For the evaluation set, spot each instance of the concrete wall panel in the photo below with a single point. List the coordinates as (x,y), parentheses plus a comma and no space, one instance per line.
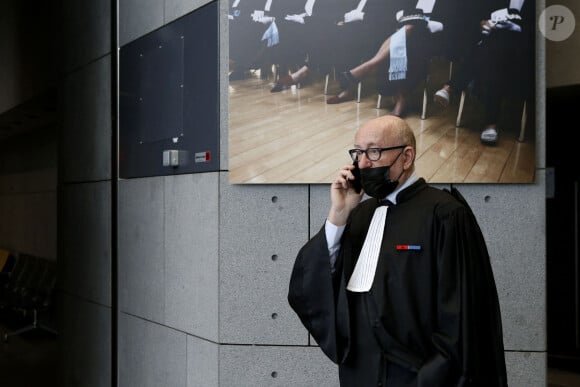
(276,366)
(261,230)
(141,248)
(86,32)
(139,17)
(525,369)
(174,9)
(514,230)
(202,363)
(191,251)
(85,342)
(85,241)
(150,355)
(85,141)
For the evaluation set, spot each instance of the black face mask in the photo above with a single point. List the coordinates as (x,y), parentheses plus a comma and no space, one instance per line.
(377,182)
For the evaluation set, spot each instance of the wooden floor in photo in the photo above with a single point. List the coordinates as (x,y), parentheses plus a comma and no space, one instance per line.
(295,137)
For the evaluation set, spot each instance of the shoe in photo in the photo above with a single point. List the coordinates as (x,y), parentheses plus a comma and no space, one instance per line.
(489,136)
(441,97)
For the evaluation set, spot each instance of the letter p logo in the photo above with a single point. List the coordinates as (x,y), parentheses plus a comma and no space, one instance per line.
(557,23)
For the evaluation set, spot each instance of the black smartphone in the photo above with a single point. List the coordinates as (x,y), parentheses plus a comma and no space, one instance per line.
(356,182)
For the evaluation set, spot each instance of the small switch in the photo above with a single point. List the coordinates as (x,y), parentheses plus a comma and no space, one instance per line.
(174,158)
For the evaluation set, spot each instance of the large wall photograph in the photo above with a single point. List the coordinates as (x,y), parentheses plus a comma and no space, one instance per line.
(305,74)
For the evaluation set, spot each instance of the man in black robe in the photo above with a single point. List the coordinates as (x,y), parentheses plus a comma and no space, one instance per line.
(425,312)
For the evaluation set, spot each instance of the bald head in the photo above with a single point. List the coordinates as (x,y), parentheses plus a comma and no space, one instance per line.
(388,130)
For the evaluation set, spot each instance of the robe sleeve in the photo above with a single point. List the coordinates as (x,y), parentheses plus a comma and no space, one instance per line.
(314,294)
(469,338)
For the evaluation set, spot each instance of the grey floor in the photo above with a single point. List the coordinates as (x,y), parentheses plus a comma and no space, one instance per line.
(31,359)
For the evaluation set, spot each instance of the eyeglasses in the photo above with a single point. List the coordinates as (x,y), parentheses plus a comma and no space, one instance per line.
(373,154)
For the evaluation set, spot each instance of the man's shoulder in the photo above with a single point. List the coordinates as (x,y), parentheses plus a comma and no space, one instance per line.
(423,191)
(450,201)
(444,200)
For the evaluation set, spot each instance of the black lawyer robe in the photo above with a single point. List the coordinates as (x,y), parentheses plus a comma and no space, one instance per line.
(432,316)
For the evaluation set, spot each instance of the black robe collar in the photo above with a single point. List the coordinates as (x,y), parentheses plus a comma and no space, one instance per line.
(408,192)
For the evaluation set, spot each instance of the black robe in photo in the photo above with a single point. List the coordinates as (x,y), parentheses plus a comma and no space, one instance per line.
(432,316)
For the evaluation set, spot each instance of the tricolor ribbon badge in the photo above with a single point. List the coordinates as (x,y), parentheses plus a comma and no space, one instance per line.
(408,247)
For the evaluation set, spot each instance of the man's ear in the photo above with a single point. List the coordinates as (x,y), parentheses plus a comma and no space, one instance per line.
(409,155)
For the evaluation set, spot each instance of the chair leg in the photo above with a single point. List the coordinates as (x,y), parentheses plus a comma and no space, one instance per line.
(424,112)
(34,325)
(460,110)
(450,69)
(275,72)
(379,101)
(523,124)
(327,78)
(358,92)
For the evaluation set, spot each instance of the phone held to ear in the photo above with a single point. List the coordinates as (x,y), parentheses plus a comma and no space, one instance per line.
(356,184)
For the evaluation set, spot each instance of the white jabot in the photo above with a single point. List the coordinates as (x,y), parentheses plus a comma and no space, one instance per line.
(334,233)
(364,272)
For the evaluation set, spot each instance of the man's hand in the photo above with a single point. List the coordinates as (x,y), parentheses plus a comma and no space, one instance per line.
(343,196)
(508,25)
(259,17)
(501,19)
(487,27)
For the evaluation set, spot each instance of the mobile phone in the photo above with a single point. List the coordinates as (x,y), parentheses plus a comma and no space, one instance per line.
(356,182)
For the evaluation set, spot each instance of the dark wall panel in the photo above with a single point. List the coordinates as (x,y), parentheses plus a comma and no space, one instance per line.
(169,98)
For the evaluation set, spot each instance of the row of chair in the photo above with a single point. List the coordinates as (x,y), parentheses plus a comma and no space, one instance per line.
(461,105)
(27,286)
